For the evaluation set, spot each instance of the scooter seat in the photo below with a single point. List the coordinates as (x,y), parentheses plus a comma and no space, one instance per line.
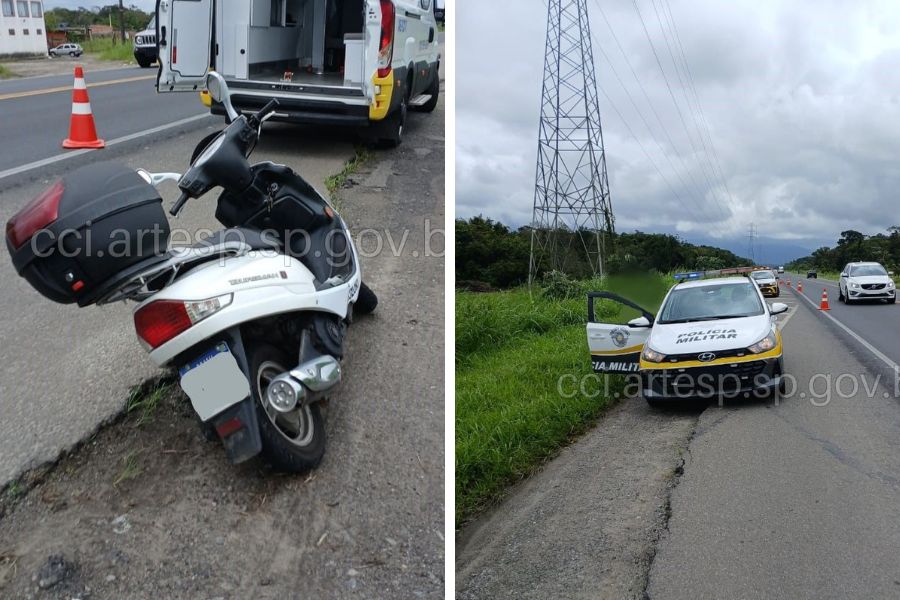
(251,237)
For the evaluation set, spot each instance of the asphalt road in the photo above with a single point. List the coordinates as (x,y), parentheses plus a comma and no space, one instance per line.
(789,499)
(35,111)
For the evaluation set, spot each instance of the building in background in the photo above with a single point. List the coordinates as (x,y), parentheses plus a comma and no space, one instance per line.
(22,29)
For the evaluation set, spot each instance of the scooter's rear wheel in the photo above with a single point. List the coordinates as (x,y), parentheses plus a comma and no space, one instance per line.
(292,442)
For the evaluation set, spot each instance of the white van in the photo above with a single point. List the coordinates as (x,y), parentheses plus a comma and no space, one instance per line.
(347,62)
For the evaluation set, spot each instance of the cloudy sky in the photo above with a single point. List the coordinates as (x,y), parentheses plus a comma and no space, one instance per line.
(802,100)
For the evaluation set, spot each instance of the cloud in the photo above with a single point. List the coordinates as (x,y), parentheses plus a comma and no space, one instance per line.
(802,100)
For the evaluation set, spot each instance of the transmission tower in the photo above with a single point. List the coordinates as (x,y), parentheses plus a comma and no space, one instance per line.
(572,219)
(751,246)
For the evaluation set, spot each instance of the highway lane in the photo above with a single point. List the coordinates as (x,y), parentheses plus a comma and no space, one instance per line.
(876,322)
(34,113)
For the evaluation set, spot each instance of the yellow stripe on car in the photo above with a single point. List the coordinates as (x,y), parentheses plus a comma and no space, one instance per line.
(730,360)
(205,98)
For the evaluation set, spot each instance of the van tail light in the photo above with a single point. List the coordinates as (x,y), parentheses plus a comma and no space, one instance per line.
(162,320)
(386,47)
(39,213)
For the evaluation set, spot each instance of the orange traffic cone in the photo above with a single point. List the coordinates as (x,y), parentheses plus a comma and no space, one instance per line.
(799,286)
(824,304)
(82,133)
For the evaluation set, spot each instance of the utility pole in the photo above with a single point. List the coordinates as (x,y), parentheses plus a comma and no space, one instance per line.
(122,21)
(571,196)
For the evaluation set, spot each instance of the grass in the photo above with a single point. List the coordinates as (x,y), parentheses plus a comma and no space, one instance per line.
(104,49)
(512,350)
(145,399)
(333,183)
(130,467)
(5,73)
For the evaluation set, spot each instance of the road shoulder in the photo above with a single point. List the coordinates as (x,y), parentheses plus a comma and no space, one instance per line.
(588,522)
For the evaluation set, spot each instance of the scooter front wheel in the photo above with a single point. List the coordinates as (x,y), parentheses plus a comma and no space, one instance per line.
(294,441)
(366,301)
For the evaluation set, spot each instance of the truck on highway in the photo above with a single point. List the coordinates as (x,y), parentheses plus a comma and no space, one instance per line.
(334,62)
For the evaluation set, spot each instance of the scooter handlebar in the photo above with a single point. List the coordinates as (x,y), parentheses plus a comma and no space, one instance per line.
(179,204)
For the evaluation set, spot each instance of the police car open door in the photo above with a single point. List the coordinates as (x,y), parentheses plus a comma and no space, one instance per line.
(184,38)
(617,348)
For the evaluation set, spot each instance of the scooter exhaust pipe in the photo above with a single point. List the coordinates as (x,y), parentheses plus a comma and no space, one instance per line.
(304,383)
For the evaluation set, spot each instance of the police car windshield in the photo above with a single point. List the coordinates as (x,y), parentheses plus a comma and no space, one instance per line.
(762,275)
(866,270)
(711,302)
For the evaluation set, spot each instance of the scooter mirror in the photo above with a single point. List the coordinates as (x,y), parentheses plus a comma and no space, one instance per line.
(218,91)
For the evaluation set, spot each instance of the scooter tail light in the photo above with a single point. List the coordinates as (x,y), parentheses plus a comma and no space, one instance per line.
(37,214)
(160,321)
(163,320)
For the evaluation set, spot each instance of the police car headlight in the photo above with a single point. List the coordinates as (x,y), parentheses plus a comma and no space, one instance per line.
(763,345)
(651,355)
(854,285)
(890,284)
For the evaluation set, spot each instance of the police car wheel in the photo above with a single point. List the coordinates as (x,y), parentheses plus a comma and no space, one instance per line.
(841,295)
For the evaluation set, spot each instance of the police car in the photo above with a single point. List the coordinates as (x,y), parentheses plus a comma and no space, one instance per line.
(766,281)
(711,339)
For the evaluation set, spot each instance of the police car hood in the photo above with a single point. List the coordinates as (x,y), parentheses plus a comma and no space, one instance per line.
(709,336)
(766,280)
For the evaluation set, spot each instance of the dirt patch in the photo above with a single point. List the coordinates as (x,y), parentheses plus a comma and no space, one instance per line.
(63,65)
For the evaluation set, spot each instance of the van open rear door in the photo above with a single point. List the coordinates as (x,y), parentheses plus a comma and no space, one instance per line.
(184,35)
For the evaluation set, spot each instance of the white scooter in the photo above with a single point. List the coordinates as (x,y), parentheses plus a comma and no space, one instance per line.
(253,317)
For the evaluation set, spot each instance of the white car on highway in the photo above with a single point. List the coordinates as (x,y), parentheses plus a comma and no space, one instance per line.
(866,281)
(711,339)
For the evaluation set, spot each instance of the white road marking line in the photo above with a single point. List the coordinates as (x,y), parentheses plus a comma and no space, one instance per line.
(125,138)
(878,354)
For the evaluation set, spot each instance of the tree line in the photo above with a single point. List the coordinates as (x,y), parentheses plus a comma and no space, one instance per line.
(489,252)
(854,246)
(135,18)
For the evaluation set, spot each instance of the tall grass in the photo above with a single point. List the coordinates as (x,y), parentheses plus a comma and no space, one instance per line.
(5,73)
(105,50)
(512,348)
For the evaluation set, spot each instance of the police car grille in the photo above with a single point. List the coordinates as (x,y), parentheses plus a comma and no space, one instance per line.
(873,286)
(701,379)
(696,355)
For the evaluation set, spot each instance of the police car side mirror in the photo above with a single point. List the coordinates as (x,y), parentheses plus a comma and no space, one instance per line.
(844,274)
(777,308)
(640,322)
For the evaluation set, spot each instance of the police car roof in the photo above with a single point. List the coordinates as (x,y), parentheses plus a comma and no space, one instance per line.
(708,282)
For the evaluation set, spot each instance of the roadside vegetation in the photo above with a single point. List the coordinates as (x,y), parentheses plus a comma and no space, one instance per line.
(104,49)
(5,73)
(853,246)
(512,347)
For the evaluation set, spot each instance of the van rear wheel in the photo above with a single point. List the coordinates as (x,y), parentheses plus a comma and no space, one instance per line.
(391,135)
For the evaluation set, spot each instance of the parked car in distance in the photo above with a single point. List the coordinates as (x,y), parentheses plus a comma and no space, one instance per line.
(66,50)
(866,281)
(811,275)
(439,11)
(145,45)
(767,282)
